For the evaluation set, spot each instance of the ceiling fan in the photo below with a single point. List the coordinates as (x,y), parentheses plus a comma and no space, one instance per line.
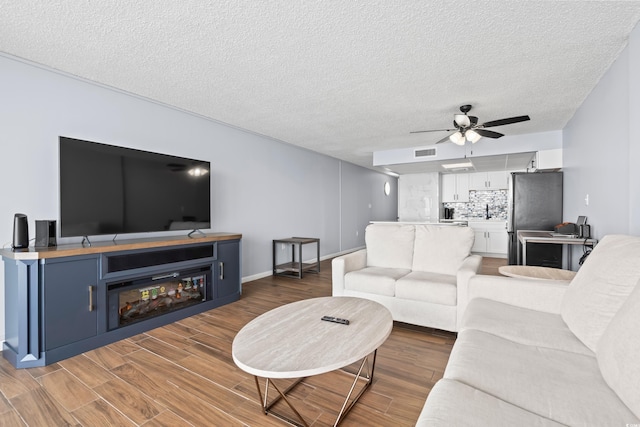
(466,128)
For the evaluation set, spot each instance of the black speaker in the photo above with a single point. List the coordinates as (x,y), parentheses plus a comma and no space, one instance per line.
(45,233)
(20,232)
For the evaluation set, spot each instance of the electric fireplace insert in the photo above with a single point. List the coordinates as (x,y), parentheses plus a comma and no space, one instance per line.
(136,300)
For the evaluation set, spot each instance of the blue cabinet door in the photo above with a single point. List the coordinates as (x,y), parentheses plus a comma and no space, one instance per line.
(70,296)
(227,269)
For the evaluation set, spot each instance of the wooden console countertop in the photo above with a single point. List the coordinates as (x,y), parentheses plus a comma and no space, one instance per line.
(76,249)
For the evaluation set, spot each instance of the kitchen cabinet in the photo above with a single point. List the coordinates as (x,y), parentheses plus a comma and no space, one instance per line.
(455,188)
(490,237)
(497,180)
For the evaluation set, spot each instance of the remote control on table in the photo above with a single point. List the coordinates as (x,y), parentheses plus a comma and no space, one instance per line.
(335,320)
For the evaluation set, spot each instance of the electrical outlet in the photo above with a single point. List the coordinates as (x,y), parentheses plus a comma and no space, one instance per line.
(586,200)
(282,247)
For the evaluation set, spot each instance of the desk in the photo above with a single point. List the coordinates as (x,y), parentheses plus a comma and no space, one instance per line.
(295,268)
(527,236)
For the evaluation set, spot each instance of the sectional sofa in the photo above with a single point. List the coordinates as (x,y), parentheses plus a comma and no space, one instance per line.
(419,272)
(547,353)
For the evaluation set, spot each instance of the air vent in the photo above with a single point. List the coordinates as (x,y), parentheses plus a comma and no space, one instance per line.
(424,152)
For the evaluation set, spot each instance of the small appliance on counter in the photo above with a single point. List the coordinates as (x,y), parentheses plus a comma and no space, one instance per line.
(20,232)
(565,228)
(448,213)
(584,229)
(578,229)
(45,233)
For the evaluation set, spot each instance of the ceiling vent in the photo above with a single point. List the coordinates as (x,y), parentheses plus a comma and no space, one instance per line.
(424,152)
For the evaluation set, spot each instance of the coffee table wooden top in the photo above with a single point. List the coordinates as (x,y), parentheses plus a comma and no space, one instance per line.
(292,342)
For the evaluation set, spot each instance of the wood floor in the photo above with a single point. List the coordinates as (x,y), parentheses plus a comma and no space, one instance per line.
(183,375)
(491,265)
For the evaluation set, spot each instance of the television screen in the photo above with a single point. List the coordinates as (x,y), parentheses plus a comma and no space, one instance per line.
(106,189)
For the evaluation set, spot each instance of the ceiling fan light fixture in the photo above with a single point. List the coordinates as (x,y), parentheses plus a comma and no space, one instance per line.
(462,120)
(473,136)
(457,138)
(468,129)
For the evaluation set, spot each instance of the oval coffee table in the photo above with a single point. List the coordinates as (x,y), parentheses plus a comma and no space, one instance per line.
(292,341)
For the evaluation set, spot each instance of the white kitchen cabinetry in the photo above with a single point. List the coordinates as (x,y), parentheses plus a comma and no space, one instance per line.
(455,188)
(548,159)
(488,180)
(491,237)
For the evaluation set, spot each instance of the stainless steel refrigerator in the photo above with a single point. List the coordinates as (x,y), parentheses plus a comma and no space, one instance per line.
(535,203)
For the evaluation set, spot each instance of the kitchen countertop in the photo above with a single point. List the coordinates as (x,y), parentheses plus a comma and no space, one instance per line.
(457,221)
(443,222)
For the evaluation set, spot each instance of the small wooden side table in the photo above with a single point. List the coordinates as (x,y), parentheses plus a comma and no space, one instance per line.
(295,267)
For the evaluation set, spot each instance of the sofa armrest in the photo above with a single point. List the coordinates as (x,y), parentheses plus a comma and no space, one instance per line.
(342,265)
(469,268)
(534,294)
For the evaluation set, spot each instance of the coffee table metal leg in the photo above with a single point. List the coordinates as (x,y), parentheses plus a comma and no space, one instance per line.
(266,405)
(346,406)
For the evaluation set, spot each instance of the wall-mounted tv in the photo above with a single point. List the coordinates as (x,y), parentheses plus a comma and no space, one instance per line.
(106,189)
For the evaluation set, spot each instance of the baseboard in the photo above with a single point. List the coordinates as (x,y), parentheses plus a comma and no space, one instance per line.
(322,258)
(490,255)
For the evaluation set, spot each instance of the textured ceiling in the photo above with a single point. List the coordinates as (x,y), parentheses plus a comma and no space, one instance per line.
(343,78)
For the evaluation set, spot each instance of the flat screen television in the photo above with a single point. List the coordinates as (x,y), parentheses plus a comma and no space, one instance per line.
(105,189)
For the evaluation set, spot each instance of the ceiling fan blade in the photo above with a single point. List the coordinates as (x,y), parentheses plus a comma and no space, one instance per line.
(445,139)
(506,121)
(488,133)
(433,130)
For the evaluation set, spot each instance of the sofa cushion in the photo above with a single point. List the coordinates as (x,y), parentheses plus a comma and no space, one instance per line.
(441,248)
(389,245)
(430,287)
(452,403)
(560,385)
(618,352)
(521,325)
(601,286)
(374,280)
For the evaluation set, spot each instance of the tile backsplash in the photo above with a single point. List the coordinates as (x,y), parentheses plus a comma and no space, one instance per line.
(476,208)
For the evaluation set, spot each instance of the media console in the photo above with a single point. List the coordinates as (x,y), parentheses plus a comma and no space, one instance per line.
(65,300)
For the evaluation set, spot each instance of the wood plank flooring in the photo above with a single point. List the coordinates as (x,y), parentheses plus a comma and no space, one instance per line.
(183,375)
(490,266)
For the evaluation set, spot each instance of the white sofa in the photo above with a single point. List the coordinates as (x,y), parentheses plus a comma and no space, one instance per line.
(545,353)
(419,272)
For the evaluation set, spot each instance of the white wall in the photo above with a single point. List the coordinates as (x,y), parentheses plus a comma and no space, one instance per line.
(261,188)
(602,150)
(362,202)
